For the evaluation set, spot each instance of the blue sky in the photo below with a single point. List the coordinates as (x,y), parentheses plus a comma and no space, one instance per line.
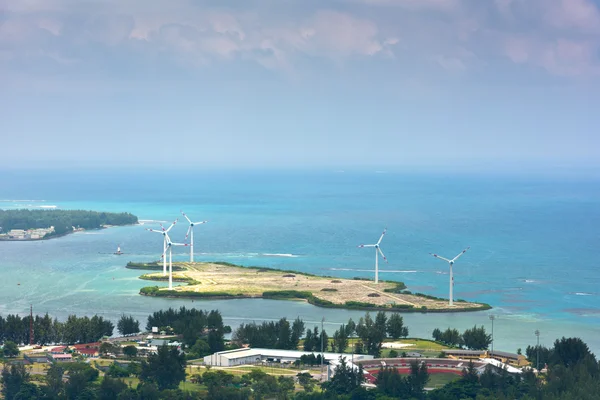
(499,84)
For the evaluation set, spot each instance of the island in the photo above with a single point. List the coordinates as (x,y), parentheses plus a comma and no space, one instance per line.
(26,224)
(221,280)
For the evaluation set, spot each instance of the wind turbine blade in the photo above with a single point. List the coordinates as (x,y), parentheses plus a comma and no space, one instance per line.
(200,223)
(179,244)
(188,232)
(366,245)
(381,252)
(382,235)
(154,230)
(460,254)
(440,257)
(172,225)
(186,217)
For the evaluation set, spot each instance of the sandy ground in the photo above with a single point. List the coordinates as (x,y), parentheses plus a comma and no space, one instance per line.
(253,282)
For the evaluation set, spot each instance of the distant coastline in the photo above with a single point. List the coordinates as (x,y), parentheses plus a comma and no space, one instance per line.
(33,225)
(221,280)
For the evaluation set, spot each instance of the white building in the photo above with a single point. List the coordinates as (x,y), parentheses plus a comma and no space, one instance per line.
(243,356)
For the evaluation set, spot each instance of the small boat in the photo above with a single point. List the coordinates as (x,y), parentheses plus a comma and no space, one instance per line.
(118,252)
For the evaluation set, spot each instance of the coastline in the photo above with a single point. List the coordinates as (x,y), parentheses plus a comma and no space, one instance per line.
(56,236)
(222,281)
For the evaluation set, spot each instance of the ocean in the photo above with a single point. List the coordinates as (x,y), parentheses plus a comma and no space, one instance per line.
(533,256)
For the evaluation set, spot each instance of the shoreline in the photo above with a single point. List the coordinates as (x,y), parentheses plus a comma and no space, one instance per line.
(203,280)
(63,234)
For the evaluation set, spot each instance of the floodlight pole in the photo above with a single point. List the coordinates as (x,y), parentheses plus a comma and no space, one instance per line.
(537,333)
(492,317)
(322,337)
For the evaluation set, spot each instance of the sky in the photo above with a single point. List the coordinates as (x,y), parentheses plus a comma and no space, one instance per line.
(496,84)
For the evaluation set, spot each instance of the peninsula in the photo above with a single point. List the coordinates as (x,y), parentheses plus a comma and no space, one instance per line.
(220,280)
(25,224)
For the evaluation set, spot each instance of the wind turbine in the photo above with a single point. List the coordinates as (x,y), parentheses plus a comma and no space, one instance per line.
(164,232)
(191,231)
(377,252)
(169,247)
(451,263)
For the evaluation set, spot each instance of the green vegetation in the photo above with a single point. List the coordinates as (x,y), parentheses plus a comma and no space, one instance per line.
(572,370)
(192,324)
(271,335)
(73,330)
(299,295)
(127,325)
(10,349)
(63,221)
(156,291)
(474,338)
(151,266)
(181,279)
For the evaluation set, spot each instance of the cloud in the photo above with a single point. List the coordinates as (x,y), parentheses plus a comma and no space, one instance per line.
(560,36)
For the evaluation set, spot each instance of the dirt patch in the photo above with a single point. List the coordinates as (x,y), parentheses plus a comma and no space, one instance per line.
(252,282)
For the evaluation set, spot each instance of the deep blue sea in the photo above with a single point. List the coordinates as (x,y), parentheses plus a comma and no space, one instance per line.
(534,242)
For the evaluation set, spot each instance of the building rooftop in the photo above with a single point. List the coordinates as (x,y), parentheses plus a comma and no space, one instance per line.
(510,369)
(249,352)
(503,354)
(464,352)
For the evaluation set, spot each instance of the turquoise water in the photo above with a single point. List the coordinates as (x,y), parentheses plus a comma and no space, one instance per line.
(533,242)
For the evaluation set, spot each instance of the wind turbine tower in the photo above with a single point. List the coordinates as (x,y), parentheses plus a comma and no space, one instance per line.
(164,232)
(190,233)
(169,248)
(377,252)
(451,263)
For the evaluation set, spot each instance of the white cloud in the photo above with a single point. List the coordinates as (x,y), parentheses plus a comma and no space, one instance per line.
(550,32)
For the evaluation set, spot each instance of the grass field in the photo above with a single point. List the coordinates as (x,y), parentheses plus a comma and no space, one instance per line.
(254,281)
(439,380)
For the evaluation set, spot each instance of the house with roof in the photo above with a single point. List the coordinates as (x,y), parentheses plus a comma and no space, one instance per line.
(61,357)
(88,352)
(59,350)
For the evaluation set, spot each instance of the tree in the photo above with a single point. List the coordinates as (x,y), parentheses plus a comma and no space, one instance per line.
(127,325)
(345,379)
(372,333)
(297,331)
(199,349)
(569,352)
(111,388)
(81,376)
(54,381)
(10,349)
(340,340)
(417,379)
(107,347)
(538,353)
(476,338)
(306,381)
(286,386)
(395,326)
(166,368)
(308,341)
(130,351)
(28,391)
(13,377)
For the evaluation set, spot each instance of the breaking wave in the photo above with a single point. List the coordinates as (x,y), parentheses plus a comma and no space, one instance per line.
(279,255)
